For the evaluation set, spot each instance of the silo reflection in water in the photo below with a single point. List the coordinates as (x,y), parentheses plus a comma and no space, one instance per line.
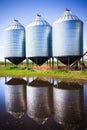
(38,100)
(68,104)
(15,97)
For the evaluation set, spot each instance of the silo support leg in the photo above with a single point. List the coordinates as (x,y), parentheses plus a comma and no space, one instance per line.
(68,62)
(5,79)
(82,63)
(47,62)
(32,64)
(52,62)
(57,63)
(36,62)
(27,79)
(5,61)
(27,63)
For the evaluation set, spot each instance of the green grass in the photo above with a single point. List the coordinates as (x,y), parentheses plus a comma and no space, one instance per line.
(16,71)
(69,74)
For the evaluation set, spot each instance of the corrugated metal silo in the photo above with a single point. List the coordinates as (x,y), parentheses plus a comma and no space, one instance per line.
(38,100)
(15,97)
(15,42)
(39,40)
(68,102)
(68,38)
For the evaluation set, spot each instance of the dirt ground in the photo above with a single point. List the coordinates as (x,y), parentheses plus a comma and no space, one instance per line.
(49,67)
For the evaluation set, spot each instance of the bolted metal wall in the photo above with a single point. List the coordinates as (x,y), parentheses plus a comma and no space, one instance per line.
(68,37)
(39,40)
(14,36)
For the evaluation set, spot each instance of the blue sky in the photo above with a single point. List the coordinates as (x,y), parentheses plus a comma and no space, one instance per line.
(26,10)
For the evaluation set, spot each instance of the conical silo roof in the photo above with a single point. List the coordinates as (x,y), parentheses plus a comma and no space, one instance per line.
(38,21)
(15,25)
(67,15)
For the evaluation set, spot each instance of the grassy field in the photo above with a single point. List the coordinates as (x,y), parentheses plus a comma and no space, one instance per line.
(44,70)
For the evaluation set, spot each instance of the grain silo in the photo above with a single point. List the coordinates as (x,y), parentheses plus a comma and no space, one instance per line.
(15,97)
(15,42)
(39,40)
(39,100)
(68,38)
(68,99)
